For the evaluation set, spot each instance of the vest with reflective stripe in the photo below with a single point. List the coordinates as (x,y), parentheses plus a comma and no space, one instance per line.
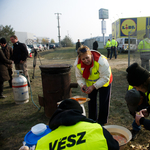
(113,43)
(144,46)
(131,87)
(81,136)
(94,76)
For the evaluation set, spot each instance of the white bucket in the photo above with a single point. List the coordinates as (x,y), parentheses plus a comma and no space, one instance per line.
(20,88)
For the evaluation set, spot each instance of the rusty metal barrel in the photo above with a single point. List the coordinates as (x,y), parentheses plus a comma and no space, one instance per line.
(56,85)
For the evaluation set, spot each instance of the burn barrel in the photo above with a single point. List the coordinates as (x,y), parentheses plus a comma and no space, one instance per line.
(56,85)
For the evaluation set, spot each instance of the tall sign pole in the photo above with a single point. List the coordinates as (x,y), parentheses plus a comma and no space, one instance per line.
(103,14)
(58,28)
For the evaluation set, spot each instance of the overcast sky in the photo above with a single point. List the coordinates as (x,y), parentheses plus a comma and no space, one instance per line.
(79,19)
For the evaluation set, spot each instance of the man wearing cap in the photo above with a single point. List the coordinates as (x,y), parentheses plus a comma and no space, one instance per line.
(8,51)
(136,101)
(72,130)
(139,78)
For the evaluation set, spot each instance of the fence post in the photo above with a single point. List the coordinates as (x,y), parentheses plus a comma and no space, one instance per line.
(129,48)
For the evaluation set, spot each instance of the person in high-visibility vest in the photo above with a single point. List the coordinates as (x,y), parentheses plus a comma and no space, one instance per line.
(108,46)
(144,49)
(73,131)
(136,101)
(113,48)
(94,76)
(139,78)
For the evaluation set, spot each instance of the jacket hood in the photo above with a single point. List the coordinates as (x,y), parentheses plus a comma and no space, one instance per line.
(67,118)
(147,40)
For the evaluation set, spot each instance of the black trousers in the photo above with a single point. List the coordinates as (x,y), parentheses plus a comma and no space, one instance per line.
(104,101)
(113,50)
(108,53)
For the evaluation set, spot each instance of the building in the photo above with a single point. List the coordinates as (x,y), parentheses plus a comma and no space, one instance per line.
(137,27)
(89,42)
(30,38)
(25,37)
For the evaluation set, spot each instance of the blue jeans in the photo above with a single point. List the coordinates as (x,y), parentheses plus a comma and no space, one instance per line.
(113,50)
(135,126)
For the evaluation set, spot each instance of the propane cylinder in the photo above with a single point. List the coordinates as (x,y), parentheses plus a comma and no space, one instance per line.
(20,88)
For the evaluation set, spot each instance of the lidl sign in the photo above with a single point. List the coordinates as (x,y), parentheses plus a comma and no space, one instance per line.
(127,25)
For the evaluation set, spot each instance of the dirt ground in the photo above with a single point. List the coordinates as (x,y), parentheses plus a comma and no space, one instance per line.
(18,119)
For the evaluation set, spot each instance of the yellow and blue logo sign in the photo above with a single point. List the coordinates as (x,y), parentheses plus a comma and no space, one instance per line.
(127,25)
(147,26)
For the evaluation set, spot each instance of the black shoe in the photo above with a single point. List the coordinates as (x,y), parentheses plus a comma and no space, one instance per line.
(134,134)
(2,96)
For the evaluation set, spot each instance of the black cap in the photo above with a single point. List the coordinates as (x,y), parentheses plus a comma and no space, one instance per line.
(137,75)
(3,41)
(70,104)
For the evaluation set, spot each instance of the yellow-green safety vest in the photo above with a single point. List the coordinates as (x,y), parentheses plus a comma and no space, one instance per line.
(81,136)
(94,76)
(108,44)
(131,87)
(144,46)
(114,43)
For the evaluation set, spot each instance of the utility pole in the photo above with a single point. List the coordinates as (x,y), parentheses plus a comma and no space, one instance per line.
(58,28)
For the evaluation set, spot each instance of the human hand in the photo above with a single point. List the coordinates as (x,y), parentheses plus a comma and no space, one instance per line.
(21,61)
(83,89)
(145,112)
(90,89)
(138,116)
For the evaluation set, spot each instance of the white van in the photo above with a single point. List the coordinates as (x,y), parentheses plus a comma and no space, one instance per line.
(123,44)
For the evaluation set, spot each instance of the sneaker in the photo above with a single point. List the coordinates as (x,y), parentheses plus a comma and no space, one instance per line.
(134,134)
(2,96)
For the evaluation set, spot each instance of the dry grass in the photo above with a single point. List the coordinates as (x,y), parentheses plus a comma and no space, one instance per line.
(17,120)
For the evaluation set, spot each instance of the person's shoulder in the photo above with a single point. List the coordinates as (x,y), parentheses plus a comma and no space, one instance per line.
(22,44)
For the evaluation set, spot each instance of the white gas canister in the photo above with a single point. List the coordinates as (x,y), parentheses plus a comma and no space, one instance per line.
(20,88)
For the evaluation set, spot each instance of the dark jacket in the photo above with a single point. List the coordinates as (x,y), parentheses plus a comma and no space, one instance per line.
(95,45)
(20,52)
(71,117)
(4,76)
(78,44)
(8,51)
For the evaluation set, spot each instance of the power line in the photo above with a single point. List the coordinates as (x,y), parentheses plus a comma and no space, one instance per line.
(58,28)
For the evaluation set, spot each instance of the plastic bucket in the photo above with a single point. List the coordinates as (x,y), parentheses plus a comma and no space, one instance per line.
(31,139)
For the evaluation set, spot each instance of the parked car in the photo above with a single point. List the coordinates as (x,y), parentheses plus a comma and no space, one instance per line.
(56,45)
(52,46)
(33,47)
(29,49)
(45,47)
(41,48)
